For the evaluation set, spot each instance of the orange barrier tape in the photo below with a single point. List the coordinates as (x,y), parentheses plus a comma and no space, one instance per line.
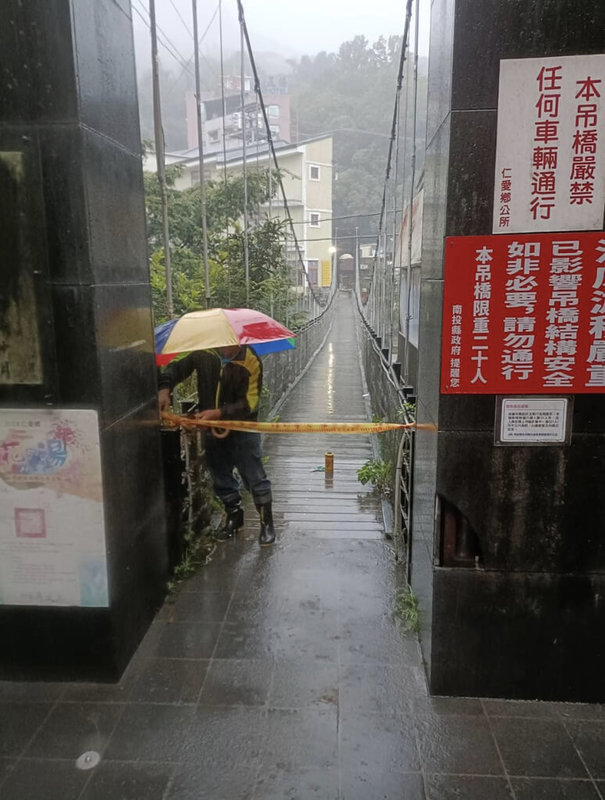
(293,427)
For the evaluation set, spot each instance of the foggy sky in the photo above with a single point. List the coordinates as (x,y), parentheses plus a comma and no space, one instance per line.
(290,27)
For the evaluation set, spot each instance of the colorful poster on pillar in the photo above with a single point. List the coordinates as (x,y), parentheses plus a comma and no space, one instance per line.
(524,314)
(52,530)
(550,151)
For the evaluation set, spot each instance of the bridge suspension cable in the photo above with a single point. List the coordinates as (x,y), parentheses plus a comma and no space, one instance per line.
(259,93)
(378,289)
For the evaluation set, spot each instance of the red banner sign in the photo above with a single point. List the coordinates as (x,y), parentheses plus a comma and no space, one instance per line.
(524,314)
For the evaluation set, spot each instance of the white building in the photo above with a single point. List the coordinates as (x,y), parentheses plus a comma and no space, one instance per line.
(307,174)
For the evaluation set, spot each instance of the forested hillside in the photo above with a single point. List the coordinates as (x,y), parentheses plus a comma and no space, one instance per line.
(351,93)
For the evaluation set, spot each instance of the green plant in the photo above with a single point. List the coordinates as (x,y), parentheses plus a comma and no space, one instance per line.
(407,609)
(406,411)
(378,473)
(197,550)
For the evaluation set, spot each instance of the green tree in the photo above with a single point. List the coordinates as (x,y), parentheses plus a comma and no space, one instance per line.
(270,283)
(351,94)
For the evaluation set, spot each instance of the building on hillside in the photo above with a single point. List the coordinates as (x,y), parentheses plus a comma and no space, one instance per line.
(306,170)
(223,121)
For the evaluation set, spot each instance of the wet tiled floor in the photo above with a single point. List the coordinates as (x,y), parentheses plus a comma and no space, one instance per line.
(282,673)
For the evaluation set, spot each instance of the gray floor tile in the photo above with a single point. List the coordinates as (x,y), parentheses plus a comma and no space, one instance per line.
(374,743)
(217,575)
(467,787)
(520,708)
(44,780)
(203,779)
(226,736)
(6,765)
(459,744)
(301,738)
(588,711)
(380,688)
(21,692)
(382,786)
(231,682)
(318,639)
(550,789)
(537,747)
(99,692)
(303,681)
(381,642)
(18,723)
(428,707)
(242,641)
(589,738)
(297,783)
(132,781)
(74,728)
(197,607)
(169,680)
(188,640)
(151,733)
(255,610)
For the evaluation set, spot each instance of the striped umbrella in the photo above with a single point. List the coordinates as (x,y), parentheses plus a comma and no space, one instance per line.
(220,327)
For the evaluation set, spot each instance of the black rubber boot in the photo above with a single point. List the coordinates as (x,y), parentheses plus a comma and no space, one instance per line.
(267,530)
(233,522)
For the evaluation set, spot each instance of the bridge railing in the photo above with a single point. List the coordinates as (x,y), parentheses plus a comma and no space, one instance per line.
(389,403)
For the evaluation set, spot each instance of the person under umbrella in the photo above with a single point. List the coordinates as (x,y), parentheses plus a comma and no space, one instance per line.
(229,383)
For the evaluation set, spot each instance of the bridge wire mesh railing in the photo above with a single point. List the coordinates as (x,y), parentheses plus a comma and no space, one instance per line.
(388,402)
(282,371)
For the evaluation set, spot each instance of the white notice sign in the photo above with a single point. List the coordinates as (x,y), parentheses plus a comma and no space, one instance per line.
(52,528)
(532,420)
(550,152)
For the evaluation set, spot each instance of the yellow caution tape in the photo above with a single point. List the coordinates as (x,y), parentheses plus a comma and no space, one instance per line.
(292,427)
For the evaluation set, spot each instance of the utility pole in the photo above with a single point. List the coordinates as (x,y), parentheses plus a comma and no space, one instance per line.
(160,155)
(200,147)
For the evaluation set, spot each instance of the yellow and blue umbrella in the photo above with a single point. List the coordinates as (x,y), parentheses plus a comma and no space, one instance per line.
(220,327)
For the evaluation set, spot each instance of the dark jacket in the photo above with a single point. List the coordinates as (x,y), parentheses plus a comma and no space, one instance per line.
(234,388)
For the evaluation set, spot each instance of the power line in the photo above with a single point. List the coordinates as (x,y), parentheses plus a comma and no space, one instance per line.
(339,238)
(344,216)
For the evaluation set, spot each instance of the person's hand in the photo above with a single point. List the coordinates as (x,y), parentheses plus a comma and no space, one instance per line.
(209,413)
(164,399)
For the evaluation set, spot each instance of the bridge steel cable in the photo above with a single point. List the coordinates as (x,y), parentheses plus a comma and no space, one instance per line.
(375,300)
(162,38)
(185,64)
(408,301)
(259,93)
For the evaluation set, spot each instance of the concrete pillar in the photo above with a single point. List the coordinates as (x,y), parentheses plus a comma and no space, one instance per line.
(525,618)
(76,335)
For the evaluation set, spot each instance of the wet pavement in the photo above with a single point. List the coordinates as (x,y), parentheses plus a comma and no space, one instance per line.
(282,672)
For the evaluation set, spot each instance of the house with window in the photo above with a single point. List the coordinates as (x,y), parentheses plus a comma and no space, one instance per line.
(306,170)
(224,123)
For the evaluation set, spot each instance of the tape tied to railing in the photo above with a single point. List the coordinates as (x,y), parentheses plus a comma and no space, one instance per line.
(250,426)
